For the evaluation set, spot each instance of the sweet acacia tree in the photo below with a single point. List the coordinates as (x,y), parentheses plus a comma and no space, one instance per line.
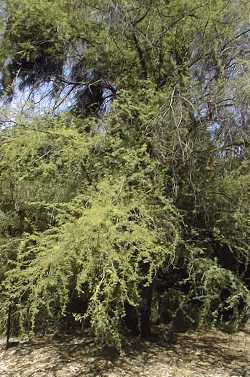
(141,216)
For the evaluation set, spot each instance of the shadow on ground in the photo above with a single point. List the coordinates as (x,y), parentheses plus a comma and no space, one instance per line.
(211,354)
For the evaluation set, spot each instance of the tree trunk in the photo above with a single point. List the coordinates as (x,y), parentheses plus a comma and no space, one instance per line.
(147,293)
(8,327)
(132,320)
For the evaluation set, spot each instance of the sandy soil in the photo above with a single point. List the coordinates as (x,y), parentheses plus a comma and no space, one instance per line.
(211,354)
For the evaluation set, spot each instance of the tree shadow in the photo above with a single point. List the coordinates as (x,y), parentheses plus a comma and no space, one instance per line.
(212,349)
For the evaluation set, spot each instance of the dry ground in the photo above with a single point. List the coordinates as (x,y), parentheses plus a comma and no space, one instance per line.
(211,354)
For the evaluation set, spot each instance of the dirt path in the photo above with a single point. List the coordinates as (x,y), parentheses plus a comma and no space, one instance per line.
(212,354)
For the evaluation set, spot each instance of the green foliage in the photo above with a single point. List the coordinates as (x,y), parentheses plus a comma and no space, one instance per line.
(103,257)
(158,41)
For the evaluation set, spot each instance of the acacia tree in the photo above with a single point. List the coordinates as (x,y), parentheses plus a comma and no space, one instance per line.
(149,221)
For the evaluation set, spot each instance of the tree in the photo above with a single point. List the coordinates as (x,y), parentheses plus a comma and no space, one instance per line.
(147,222)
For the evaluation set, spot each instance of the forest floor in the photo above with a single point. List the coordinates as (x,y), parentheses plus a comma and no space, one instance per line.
(203,354)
